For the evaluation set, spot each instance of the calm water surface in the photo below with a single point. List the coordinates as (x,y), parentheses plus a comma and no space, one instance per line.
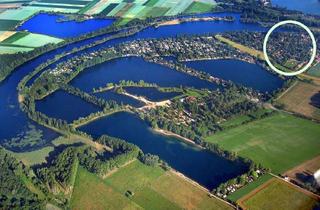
(306,6)
(135,69)
(206,168)
(65,106)
(48,24)
(247,74)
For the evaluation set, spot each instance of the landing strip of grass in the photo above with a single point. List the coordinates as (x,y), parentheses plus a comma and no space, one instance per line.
(279,142)
(243,48)
(152,188)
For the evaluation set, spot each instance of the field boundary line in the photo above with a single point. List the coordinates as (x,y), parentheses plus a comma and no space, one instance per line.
(287,90)
(116,169)
(196,184)
(241,201)
(300,189)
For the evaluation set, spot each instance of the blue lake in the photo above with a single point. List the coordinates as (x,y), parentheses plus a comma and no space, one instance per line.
(306,6)
(135,69)
(206,168)
(247,74)
(48,24)
(14,121)
(151,93)
(62,105)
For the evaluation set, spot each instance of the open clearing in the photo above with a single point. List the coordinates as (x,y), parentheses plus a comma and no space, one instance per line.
(153,188)
(251,51)
(302,98)
(279,142)
(277,194)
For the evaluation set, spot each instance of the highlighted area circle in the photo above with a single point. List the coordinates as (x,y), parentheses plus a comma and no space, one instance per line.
(314,48)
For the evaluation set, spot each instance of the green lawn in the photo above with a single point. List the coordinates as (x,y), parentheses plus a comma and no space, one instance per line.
(279,195)
(279,142)
(248,188)
(198,7)
(140,176)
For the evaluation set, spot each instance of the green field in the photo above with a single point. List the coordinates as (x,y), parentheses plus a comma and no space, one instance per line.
(147,8)
(279,142)
(18,35)
(248,188)
(17,14)
(315,70)
(91,193)
(153,188)
(13,49)
(36,40)
(279,195)
(198,7)
(7,25)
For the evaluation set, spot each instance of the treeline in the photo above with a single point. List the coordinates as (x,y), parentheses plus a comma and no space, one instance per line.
(89,98)
(14,192)
(124,83)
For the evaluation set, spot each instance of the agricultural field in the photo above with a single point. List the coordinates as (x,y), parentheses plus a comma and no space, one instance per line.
(152,188)
(91,193)
(277,194)
(29,40)
(315,70)
(6,34)
(7,25)
(302,98)
(279,142)
(24,41)
(301,172)
(146,8)
(13,49)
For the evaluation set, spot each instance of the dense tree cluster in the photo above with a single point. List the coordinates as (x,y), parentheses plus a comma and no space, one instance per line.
(195,117)
(14,193)
(282,46)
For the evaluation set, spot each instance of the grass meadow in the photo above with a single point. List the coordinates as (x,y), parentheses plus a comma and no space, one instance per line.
(153,188)
(277,194)
(279,142)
